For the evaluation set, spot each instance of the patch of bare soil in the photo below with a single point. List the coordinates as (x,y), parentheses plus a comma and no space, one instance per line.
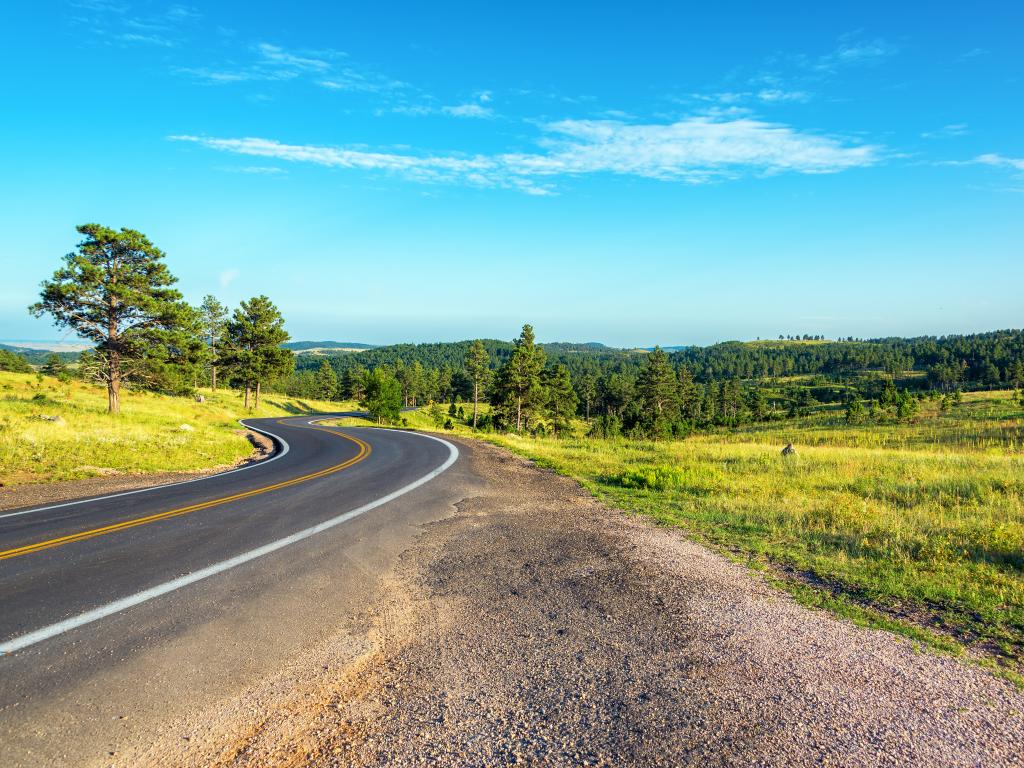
(538,627)
(32,494)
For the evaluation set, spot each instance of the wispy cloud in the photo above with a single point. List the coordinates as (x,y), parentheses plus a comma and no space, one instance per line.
(1001,161)
(694,150)
(228,276)
(468,110)
(947,131)
(115,22)
(268,62)
(852,52)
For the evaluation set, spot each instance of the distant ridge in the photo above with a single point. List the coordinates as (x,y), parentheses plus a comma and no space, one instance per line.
(342,346)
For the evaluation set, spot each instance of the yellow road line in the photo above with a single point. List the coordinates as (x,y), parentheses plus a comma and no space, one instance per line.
(364,451)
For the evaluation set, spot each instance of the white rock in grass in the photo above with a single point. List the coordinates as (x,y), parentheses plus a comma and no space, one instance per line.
(186,428)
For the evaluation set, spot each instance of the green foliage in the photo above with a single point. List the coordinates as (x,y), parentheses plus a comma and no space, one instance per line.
(12,361)
(116,291)
(654,478)
(326,383)
(518,396)
(383,396)
(254,337)
(562,399)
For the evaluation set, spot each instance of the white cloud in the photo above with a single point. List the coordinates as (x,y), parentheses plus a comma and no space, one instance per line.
(228,276)
(273,63)
(468,110)
(694,150)
(947,131)
(1001,161)
(780,95)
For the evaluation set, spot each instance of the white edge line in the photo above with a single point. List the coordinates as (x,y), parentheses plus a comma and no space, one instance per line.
(280,454)
(45,633)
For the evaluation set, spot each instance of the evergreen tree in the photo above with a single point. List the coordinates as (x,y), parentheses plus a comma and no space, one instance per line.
(54,366)
(518,392)
(383,396)
(326,382)
(255,334)
(354,382)
(586,389)
(214,318)
(115,291)
(562,399)
(689,396)
(855,412)
(658,387)
(478,369)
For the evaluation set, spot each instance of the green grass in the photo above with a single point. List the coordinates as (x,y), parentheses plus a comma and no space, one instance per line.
(917,528)
(146,437)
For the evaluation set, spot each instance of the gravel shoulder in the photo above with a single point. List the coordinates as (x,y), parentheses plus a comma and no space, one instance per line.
(535,625)
(37,494)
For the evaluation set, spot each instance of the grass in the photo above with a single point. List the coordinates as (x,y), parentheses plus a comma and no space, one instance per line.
(154,433)
(916,528)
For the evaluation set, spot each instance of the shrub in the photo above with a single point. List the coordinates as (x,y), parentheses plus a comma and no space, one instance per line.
(653,478)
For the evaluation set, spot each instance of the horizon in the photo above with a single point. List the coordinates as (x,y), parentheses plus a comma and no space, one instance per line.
(656,176)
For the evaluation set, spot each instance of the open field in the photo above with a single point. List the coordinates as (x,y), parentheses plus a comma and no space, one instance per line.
(154,433)
(917,527)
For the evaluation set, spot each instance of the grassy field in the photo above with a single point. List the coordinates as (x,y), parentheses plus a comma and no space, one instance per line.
(154,433)
(916,527)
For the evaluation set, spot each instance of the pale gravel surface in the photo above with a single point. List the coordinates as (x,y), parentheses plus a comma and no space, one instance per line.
(37,494)
(538,627)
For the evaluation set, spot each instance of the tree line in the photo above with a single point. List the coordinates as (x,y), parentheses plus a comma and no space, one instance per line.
(116,291)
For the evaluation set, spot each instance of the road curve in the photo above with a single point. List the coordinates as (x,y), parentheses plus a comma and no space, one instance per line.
(66,565)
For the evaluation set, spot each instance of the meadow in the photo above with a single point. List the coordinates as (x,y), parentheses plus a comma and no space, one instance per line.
(916,527)
(53,430)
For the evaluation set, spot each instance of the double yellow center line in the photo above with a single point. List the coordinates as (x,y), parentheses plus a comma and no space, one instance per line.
(364,451)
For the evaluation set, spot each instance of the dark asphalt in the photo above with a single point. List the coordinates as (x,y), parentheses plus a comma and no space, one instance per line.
(40,588)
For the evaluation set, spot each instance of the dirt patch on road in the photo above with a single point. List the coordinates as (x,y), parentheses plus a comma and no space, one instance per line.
(106,480)
(537,626)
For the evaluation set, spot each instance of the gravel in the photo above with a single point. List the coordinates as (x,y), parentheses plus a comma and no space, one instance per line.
(536,626)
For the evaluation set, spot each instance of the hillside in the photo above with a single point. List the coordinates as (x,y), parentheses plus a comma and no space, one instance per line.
(52,430)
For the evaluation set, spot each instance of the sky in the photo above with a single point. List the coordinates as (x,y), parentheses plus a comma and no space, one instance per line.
(632,173)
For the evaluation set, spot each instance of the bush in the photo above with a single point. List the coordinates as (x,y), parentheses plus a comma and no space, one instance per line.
(653,478)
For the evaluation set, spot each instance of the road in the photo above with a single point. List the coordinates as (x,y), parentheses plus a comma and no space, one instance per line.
(241,560)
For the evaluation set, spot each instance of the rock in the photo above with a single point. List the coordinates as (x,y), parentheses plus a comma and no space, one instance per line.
(186,428)
(200,398)
(789,450)
(54,419)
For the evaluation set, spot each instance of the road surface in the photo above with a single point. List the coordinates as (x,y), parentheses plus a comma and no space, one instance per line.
(211,572)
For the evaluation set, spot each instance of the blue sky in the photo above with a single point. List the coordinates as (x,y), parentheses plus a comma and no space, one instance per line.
(629,173)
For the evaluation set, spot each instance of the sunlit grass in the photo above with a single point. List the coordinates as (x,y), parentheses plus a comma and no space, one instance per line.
(923,521)
(153,433)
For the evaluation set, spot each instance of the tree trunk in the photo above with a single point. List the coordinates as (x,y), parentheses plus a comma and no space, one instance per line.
(519,414)
(257,394)
(476,396)
(247,397)
(213,370)
(114,383)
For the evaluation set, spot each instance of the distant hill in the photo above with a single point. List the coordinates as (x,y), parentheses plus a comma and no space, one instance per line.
(324,347)
(37,356)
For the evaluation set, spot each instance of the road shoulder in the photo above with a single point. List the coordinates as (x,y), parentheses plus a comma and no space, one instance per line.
(536,625)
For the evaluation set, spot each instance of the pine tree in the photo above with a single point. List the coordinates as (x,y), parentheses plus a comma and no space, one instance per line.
(478,369)
(54,366)
(115,290)
(383,396)
(518,389)
(658,387)
(689,396)
(326,382)
(214,318)
(562,399)
(255,334)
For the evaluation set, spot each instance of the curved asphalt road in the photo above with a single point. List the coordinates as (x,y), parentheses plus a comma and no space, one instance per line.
(72,575)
